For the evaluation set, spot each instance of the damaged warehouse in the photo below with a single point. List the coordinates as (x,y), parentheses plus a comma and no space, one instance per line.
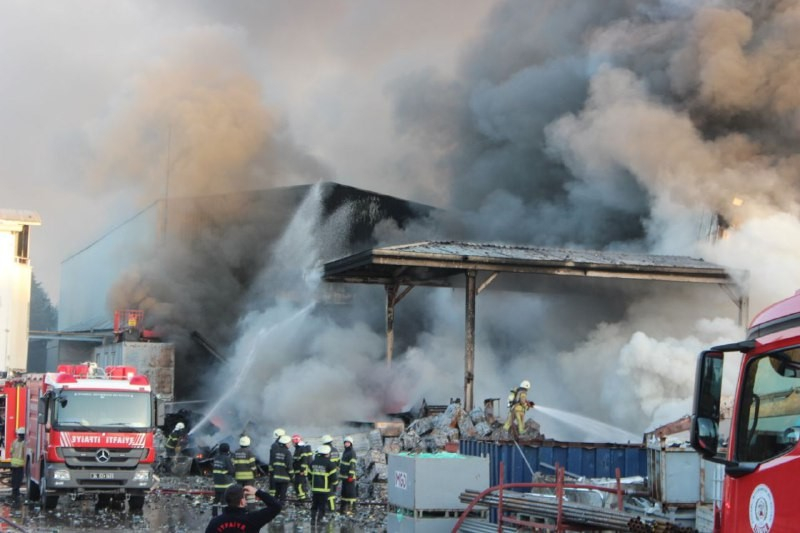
(452,265)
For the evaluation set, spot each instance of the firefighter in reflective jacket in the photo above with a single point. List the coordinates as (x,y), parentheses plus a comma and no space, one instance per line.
(17,457)
(300,466)
(224,473)
(244,464)
(324,476)
(280,468)
(347,473)
(277,434)
(328,441)
(518,405)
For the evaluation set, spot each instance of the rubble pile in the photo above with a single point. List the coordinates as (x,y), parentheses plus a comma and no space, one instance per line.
(443,431)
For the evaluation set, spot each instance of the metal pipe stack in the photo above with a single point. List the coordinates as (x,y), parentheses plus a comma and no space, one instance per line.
(574,513)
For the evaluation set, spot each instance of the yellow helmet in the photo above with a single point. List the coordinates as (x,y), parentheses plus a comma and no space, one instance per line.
(327,439)
(280,432)
(525,384)
(244,441)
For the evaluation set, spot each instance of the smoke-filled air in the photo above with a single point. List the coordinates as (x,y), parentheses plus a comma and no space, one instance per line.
(667,127)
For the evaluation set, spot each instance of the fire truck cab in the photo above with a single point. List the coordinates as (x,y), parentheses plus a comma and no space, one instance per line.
(762,456)
(89,430)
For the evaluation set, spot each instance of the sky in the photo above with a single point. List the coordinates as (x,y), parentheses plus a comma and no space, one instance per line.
(630,126)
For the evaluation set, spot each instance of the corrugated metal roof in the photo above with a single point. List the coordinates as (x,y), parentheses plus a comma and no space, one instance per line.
(430,263)
(23,216)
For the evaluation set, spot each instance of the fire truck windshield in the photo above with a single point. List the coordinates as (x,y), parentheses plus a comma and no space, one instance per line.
(769,421)
(107,410)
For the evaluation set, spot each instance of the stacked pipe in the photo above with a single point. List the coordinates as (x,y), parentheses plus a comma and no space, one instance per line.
(572,513)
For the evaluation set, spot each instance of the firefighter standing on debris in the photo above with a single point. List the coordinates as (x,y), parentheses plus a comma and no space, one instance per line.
(347,473)
(224,473)
(518,405)
(280,468)
(174,442)
(300,466)
(17,457)
(244,464)
(324,476)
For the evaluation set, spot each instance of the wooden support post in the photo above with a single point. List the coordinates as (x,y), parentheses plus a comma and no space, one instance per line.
(469,348)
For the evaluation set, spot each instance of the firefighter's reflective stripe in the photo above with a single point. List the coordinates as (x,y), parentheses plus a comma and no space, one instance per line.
(280,466)
(323,475)
(245,465)
(17,454)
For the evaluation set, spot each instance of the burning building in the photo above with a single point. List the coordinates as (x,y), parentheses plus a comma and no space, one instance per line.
(191,265)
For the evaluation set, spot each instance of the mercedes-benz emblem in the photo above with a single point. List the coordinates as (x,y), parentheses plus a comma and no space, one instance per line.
(102,455)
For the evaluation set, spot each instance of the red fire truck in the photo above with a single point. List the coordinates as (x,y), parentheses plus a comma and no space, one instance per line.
(12,410)
(89,430)
(761,455)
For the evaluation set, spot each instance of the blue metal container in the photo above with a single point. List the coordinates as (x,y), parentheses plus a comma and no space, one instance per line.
(578,458)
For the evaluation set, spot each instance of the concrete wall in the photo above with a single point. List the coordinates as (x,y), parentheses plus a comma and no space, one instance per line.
(156,360)
(15,300)
(88,275)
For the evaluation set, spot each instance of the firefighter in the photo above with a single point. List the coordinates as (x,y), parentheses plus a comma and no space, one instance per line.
(277,434)
(518,405)
(280,468)
(224,473)
(244,465)
(174,443)
(324,477)
(335,457)
(300,464)
(347,473)
(17,463)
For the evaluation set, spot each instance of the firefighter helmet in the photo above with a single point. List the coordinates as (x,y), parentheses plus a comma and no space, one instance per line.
(224,447)
(327,439)
(324,450)
(278,433)
(348,439)
(244,441)
(285,439)
(296,438)
(525,384)
(21,430)
(179,426)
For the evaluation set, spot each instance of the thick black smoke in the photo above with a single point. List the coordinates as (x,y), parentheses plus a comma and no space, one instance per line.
(659,126)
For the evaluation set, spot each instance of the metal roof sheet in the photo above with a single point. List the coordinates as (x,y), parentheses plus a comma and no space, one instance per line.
(23,216)
(432,262)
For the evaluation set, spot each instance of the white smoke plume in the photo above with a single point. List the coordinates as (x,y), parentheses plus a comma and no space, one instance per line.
(662,126)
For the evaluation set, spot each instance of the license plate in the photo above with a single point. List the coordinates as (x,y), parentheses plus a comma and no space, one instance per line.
(101,475)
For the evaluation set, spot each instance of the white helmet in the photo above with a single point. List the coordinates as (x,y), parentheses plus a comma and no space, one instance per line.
(324,450)
(285,439)
(348,439)
(525,385)
(280,432)
(21,430)
(327,439)
(244,441)
(179,426)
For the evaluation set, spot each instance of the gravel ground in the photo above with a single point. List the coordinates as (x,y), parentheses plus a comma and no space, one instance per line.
(176,505)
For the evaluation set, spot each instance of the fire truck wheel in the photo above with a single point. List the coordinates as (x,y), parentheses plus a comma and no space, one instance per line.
(49,501)
(33,488)
(136,502)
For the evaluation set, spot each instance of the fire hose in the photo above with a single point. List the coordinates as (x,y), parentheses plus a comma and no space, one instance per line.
(13,524)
